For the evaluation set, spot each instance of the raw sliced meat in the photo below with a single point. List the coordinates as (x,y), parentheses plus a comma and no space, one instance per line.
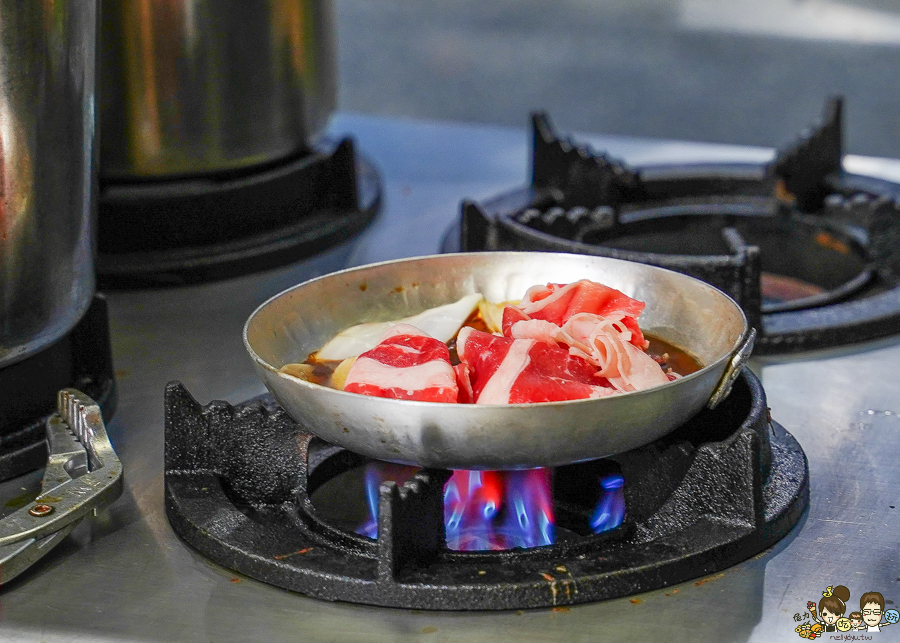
(407,364)
(537,329)
(441,323)
(603,342)
(556,303)
(464,384)
(503,370)
(512,315)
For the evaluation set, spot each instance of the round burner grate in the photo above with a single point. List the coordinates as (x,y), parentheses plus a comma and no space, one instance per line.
(239,480)
(804,247)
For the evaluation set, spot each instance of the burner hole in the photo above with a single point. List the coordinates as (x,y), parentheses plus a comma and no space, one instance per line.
(341,500)
(588,497)
(529,510)
(803,264)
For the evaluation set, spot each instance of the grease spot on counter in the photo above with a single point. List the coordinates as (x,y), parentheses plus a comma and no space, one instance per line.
(711,578)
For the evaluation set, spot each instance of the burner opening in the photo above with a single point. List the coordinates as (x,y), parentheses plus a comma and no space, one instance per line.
(484,510)
(342,502)
(589,497)
(804,263)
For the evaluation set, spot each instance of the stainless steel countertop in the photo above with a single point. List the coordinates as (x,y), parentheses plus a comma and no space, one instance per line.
(125,575)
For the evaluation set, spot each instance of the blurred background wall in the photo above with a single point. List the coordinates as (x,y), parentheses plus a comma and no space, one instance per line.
(737,71)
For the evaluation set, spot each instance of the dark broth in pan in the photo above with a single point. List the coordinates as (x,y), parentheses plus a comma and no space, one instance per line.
(673,357)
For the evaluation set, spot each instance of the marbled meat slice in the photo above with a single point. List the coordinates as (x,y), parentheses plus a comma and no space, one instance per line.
(407,364)
(464,383)
(556,303)
(517,371)
(603,342)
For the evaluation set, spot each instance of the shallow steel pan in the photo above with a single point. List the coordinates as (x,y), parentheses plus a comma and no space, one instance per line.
(681,310)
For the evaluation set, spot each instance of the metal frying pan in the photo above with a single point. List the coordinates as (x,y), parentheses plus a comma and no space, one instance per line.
(681,310)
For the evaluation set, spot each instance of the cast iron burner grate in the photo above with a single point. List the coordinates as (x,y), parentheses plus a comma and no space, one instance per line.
(804,247)
(81,359)
(197,229)
(239,482)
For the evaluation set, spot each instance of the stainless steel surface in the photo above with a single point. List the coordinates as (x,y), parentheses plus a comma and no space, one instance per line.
(681,310)
(83,472)
(47,75)
(199,86)
(126,577)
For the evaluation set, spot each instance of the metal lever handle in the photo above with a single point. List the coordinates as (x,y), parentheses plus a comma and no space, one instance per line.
(83,472)
(19,556)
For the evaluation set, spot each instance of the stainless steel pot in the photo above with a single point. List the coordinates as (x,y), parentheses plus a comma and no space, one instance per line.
(202,86)
(684,311)
(47,76)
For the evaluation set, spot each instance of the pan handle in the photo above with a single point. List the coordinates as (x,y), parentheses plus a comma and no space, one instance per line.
(734,369)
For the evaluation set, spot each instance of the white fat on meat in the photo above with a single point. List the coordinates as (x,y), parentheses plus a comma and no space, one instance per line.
(433,374)
(537,329)
(441,322)
(603,342)
(530,307)
(498,388)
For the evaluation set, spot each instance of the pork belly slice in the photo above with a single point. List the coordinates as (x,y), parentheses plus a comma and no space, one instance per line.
(440,323)
(407,364)
(503,370)
(603,342)
(557,303)
(464,383)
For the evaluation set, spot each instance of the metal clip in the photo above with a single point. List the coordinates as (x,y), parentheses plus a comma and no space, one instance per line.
(83,474)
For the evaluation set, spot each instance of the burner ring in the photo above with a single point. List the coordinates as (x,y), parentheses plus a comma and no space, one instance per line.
(236,479)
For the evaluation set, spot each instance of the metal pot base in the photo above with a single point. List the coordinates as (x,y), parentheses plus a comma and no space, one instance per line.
(165,233)
(82,358)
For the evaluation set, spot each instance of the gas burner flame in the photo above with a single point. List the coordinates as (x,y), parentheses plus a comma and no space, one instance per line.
(376,473)
(610,509)
(494,510)
(483,510)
